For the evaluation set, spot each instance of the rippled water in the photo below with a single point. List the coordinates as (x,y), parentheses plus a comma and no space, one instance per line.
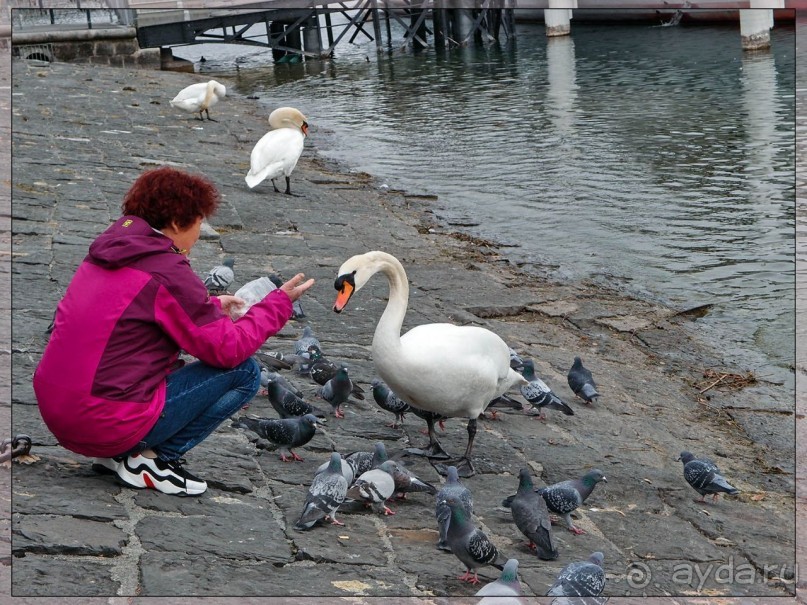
(660,160)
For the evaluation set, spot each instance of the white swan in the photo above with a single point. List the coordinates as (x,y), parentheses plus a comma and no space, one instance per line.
(199,97)
(451,370)
(278,150)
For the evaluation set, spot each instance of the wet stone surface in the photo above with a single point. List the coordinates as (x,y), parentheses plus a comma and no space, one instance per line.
(82,135)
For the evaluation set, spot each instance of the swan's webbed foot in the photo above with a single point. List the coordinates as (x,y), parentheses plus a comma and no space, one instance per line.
(465,467)
(434,450)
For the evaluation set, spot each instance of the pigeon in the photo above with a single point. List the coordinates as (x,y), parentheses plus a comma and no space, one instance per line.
(389,401)
(576,601)
(502,401)
(581,382)
(287,404)
(452,488)
(532,518)
(296,308)
(274,360)
(506,586)
(327,492)
(361,462)
(580,579)
(346,470)
(267,375)
(305,341)
(199,97)
(469,544)
(539,394)
(375,486)
(322,369)
(336,391)
(406,482)
(220,277)
(564,497)
(286,433)
(515,360)
(704,476)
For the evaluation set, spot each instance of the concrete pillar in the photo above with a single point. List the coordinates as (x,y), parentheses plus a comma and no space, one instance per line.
(557,18)
(756,24)
(312,40)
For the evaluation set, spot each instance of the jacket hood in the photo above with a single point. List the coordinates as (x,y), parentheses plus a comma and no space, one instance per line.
(127,240)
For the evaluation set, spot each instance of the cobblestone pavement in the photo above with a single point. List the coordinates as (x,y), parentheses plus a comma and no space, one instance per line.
(80,137)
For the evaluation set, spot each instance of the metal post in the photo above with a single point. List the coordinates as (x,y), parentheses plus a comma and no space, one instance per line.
(463,22)
(329,28)
(414,15)
(376,24)
(439,23)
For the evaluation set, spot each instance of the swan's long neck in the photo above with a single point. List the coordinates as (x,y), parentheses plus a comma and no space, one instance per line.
(208,96)
(388,331)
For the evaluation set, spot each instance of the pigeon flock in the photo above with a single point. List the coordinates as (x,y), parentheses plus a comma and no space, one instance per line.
(371,481)
(479,374)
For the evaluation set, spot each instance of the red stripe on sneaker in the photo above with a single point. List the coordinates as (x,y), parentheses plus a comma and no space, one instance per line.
(147,480)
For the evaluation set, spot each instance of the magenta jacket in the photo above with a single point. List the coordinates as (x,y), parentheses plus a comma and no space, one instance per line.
(133,303)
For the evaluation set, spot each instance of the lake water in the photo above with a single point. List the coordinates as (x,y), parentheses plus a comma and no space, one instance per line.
(659,160)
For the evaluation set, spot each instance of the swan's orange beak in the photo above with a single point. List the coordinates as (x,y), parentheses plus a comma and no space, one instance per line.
(304,128)
(346,287)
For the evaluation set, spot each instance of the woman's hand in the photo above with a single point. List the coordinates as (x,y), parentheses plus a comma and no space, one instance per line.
(295,287)
(231,305)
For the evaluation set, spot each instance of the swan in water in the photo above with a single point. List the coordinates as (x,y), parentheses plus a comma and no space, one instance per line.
(278,150)
(451,370)
(199,97)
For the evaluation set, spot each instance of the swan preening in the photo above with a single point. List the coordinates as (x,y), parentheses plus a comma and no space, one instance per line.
(451,370)
(278,150)
(199,98)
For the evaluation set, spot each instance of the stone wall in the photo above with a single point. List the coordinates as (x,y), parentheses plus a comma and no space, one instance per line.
(117,47)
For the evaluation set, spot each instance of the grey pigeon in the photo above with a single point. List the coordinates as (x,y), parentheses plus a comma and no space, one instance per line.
(275,360)
(539,394)
(287,404)
(531,516)
(468,543)
(375,487)
(502,401)
(452,488)
(389,401)
(296,307)
(286,433)
(346,470)
(580,579)
(306,340)
(577,601)
(564,497)
(704,476)
(515,360)
(220,277)
(322,370)
(267,375)
(325,495)
(506,586)
(336,391)
(581,382)
(361,462)
(406,482)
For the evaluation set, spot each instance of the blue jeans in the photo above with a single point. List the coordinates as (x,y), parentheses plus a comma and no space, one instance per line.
(198,399)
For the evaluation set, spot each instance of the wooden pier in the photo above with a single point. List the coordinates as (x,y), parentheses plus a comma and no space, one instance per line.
(295,29)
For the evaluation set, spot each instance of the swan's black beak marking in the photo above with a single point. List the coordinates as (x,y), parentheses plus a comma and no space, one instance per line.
(346,286)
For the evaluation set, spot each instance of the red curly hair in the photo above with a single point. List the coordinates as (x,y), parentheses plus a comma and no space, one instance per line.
(166,195)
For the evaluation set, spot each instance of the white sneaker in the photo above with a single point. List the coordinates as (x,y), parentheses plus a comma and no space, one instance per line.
(106,466)
(167,477)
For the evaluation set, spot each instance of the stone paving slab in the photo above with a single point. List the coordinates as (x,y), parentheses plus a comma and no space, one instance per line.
(207,546)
